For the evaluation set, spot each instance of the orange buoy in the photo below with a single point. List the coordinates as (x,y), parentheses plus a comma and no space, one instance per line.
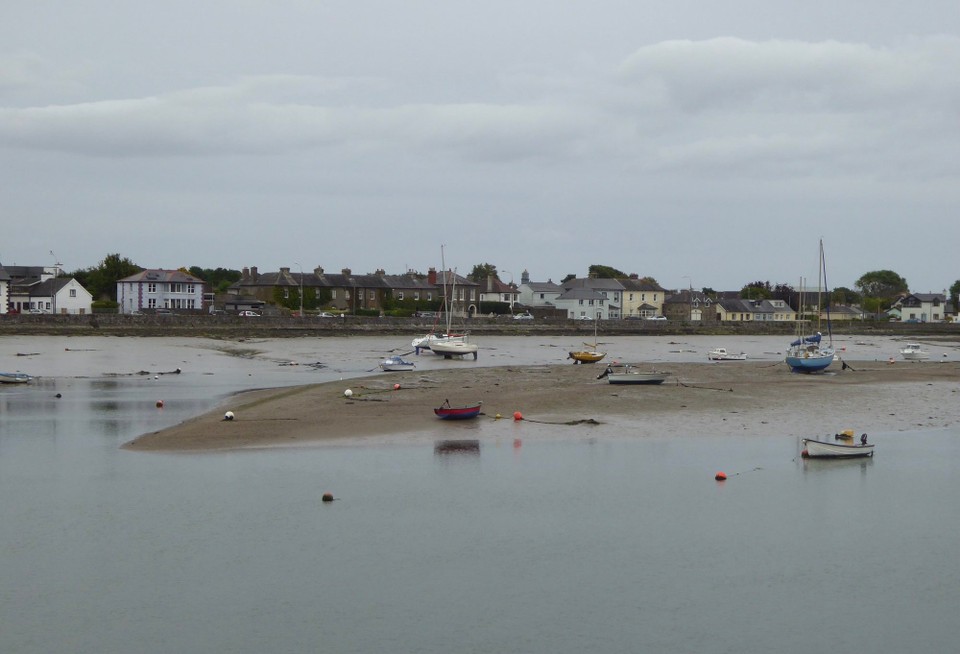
(159,404)
(396,387)
(517,415)
(720,476)
(517,443)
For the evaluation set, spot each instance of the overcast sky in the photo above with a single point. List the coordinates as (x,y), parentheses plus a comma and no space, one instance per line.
(700,143)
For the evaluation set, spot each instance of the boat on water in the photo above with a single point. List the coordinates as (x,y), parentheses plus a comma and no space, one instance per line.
(396,364)
(590,353)
(814,449)
(14,378)
(808,353)
(721,354)
(447,412)
(914,352)
(626,374)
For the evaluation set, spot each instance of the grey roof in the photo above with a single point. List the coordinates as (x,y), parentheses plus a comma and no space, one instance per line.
(162,276)
(631,284)
(544,287)
(49,287)
(602,283)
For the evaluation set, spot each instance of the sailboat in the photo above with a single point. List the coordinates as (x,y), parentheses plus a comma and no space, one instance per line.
(451,345)
(808,353)
(590,353)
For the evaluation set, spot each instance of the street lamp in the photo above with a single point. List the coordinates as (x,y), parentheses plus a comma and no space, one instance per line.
(301,288)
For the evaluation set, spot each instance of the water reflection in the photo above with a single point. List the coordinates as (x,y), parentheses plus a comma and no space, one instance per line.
(460,446)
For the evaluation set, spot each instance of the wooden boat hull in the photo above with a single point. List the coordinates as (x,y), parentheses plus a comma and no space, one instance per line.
(457,412)
(815,449)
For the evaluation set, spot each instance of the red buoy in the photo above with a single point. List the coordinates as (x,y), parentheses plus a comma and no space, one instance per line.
(159,404)
(327,497)
(517,415)
(721,476)
(396,387)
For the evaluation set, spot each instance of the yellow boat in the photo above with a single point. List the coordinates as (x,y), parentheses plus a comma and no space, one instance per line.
(586,356)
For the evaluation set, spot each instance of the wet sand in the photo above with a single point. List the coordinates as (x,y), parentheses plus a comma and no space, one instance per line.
(718,398)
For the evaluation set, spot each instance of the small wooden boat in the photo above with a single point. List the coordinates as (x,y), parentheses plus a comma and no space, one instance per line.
(626,375)
(396,364)
(14,378)
(815,449)
(721,354)
(447,412)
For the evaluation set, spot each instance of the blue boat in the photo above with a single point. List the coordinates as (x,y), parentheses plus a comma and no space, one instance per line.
(808,353)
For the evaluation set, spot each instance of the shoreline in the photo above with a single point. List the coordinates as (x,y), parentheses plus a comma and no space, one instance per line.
(713,398)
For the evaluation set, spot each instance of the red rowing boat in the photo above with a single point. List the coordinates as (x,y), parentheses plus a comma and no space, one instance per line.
(447,412)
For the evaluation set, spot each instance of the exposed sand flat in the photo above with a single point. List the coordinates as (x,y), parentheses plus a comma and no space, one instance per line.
(727,397)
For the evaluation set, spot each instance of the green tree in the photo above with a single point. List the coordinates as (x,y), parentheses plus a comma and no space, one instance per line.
(844,295)
(482,271)
(101,280)
(219,278)
(605,272)
(954,293)
(882,283)
(757,291)
(879,288)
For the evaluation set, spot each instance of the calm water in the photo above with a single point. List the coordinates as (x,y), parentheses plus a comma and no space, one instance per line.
(586,543)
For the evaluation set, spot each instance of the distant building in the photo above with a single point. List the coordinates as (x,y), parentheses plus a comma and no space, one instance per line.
(154,289)
(537,294)
(642,298)
(38,289)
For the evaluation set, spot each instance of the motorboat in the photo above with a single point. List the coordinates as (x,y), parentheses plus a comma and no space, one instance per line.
(913,352)
(721,354)
(396,364)
(627,375)
(14,378)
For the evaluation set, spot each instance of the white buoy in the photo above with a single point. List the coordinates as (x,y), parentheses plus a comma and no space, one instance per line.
(347,393)
(228,415)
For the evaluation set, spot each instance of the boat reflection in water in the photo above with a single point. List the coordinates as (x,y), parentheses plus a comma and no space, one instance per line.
(461,446)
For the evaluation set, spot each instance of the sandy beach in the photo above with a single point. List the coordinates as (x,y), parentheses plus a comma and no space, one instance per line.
(718,398)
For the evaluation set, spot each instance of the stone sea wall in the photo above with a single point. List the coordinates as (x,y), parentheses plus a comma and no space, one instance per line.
(232,326)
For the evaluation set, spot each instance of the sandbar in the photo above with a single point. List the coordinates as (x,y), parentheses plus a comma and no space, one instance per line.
(705,398)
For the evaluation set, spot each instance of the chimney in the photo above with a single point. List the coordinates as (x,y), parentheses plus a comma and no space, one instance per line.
(432,276)
(380,272)
(346,271)
(634,276)
(245,274)
(318,271)
(524,277)
(254,275)
(285,271)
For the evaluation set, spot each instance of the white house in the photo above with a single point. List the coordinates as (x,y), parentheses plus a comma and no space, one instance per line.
(923,307)
(583,303)
(537,294)
(4,290)
(38,289)
(160,289)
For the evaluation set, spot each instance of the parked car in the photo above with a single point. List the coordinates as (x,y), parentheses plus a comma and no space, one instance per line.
(656,318)
(526,315)
(251,314)
(325,314)
(164,312)
(584,318)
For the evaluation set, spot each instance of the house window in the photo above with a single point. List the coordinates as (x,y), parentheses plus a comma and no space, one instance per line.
(151,287)
(631,297)
(73,292)
(190,289)
(373,295)
(346,294)
(416,295)
(399,295)
(333,294)
(429,296)
(316,292)
(286,294)
(152,303)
